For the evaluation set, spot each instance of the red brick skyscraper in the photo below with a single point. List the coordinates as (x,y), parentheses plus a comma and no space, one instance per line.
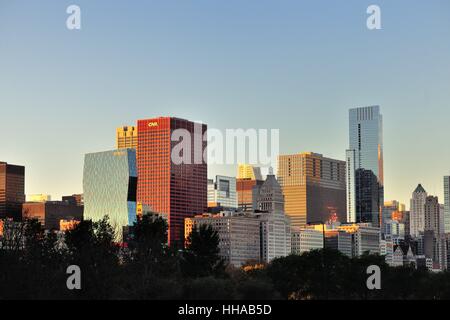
(179,190)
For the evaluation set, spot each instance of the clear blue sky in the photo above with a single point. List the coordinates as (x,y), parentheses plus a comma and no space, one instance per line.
(293,65)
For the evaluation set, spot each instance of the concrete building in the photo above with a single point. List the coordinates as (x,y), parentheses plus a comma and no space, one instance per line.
(239,235)
(417,211)
(339,240)
(76,199)
(313,187)
(248,178)
(366,238)
(306,239)
(50,213)
(222,193)
(447,204)
(275,224)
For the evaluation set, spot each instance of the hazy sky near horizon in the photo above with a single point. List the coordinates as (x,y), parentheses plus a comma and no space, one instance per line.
(293,65)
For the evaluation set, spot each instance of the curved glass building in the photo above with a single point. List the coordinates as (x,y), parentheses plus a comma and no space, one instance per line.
(110,184)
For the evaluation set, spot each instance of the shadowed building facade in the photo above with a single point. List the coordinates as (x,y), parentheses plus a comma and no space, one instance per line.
(313,188)
(12,191)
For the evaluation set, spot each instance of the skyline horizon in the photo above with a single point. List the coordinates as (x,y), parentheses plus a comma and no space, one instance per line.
(297,67)
(227,172)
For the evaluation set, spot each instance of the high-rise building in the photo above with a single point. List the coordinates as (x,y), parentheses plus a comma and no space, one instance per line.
(222,193)
(109,184)
(50,213)
(176,187)
(447,204)
(39,198)
(247,171)
(12,191)
(126,137)
(239,235)
(417,211)
(365,182)
(313,188)
(275,224)
(432,214)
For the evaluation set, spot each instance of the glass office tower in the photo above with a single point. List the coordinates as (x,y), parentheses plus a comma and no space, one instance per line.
(365,191)
(109,184)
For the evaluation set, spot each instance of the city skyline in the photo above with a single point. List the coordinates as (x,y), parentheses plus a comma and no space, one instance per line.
(70,100)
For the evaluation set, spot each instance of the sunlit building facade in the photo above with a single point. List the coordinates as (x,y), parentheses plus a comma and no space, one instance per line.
(50,213)
(126,137)
(39,198)
(177,188)
(109,185)
(313,188)
(365,180)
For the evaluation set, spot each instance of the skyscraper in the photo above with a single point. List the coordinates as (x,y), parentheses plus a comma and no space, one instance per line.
(432,214)
(365,182)
(176,187)
(12,191)
(126,137)
(417,212)
(275,224)
(313,188)
(447,204)
(109,185)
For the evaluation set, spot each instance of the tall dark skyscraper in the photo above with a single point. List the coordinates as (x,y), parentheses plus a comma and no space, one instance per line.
(12,191)
(176,189)
(365,183)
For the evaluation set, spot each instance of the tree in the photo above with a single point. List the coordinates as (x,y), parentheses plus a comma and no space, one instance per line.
(201,257)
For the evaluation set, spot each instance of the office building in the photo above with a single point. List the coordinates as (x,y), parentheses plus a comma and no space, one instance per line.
(447,204)
(239,235)
(76,199)
(222,193)
(177,188)
(306,239)
(365,182)
(249,172)
(313,187)
(339,240)
(366,238)
(417,211)
(39,198)
(12,191)
(126,137)
(109,185)
(432,215)
(275,224)
(51,213)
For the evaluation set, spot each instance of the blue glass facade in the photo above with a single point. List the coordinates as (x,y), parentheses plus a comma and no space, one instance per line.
(365,191)
(109,185)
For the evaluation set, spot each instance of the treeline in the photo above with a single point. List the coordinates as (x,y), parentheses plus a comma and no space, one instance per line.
(35,268)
